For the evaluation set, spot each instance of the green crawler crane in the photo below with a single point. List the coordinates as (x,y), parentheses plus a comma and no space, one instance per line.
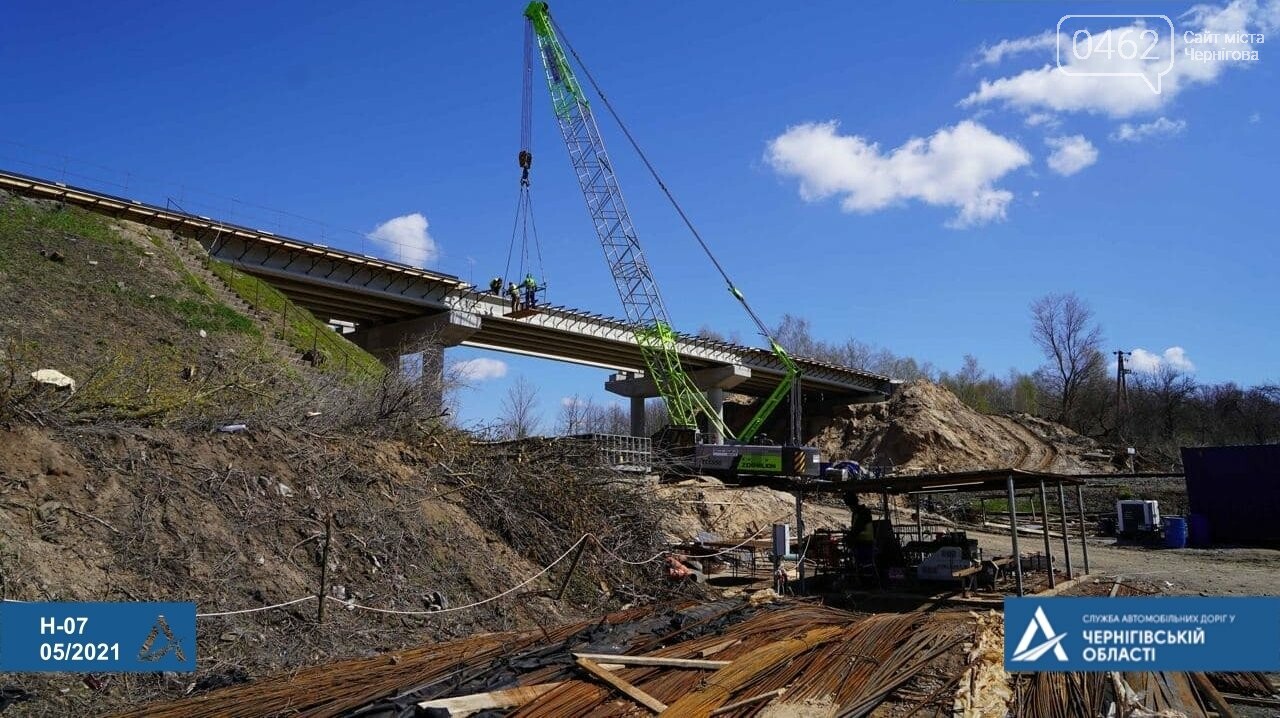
(638,291)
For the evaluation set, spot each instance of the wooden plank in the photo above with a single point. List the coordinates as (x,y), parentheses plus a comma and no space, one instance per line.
(1064,585)
(627,689)
(1252,700)
(1116,588)
(651,661)
(508,698)
(747,701)
(1211,696)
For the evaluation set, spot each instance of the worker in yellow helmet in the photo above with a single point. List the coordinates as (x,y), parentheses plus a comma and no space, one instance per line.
(514,292)
(530,291)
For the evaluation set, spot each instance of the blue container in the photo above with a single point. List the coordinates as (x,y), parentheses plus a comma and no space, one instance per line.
(1199,530)
(1175,532)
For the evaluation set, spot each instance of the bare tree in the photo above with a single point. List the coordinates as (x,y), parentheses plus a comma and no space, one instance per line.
(1062,326)
(655,416)
(796,334)
(614,420)
(520,410)
(577,416)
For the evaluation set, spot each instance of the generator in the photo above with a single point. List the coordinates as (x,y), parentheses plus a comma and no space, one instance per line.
(945,554)
(1135,517)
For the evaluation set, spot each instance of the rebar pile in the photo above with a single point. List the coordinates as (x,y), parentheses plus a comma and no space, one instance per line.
(813,653)
(342,687)
(1061,695)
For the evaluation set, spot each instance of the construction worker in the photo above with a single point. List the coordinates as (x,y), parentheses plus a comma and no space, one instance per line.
(530,291)
(495,285)
(861,537)
(514,292)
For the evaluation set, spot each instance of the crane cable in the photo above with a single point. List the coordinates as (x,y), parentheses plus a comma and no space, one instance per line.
(733,289)
(524,222)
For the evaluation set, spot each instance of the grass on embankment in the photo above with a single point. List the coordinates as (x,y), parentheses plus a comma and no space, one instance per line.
(299,327)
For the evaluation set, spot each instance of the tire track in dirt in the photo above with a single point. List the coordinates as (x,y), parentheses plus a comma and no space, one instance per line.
(1037,454)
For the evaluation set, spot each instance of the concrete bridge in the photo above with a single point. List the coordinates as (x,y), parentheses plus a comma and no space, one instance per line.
(392,304)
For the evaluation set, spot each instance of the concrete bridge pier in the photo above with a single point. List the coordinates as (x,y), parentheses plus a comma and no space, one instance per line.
(428,335)
(713,381)
(637,416)
(715,396)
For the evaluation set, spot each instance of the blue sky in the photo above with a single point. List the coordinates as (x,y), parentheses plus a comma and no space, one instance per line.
(910,180)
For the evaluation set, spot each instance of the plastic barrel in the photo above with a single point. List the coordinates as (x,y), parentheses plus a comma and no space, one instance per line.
(1175,532)
(1199,534)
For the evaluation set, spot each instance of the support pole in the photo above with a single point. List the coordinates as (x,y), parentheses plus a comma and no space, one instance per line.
(1044,528)
(919,521)
(800,538)
(1013,533)
(1084,531)
(1066,540)
(884,506)
(983,500)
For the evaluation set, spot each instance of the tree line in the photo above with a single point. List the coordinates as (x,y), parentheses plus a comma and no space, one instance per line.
(1161,409)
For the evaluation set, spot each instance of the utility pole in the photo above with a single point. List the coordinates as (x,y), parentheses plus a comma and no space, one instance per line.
(1122,393)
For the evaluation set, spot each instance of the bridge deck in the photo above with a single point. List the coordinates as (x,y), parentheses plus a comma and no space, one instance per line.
(369,291)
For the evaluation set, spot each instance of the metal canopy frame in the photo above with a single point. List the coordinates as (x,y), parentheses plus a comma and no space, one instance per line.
(1008,481)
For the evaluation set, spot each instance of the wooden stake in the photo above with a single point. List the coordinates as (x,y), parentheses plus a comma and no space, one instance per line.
(627,689)
(572,567)
(324,569)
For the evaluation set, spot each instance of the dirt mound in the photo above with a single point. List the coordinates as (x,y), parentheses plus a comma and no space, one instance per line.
(926,428)
(705,506)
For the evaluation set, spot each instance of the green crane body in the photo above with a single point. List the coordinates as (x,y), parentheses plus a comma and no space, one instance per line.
(634,281)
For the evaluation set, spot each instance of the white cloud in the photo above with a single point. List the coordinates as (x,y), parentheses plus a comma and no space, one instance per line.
(1255,118)
(1070,154)
(1048,119)
(994,54)
(1159,128)
(1150,362)
(957,167)
(406,239)
(480,369)
(1048,88)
